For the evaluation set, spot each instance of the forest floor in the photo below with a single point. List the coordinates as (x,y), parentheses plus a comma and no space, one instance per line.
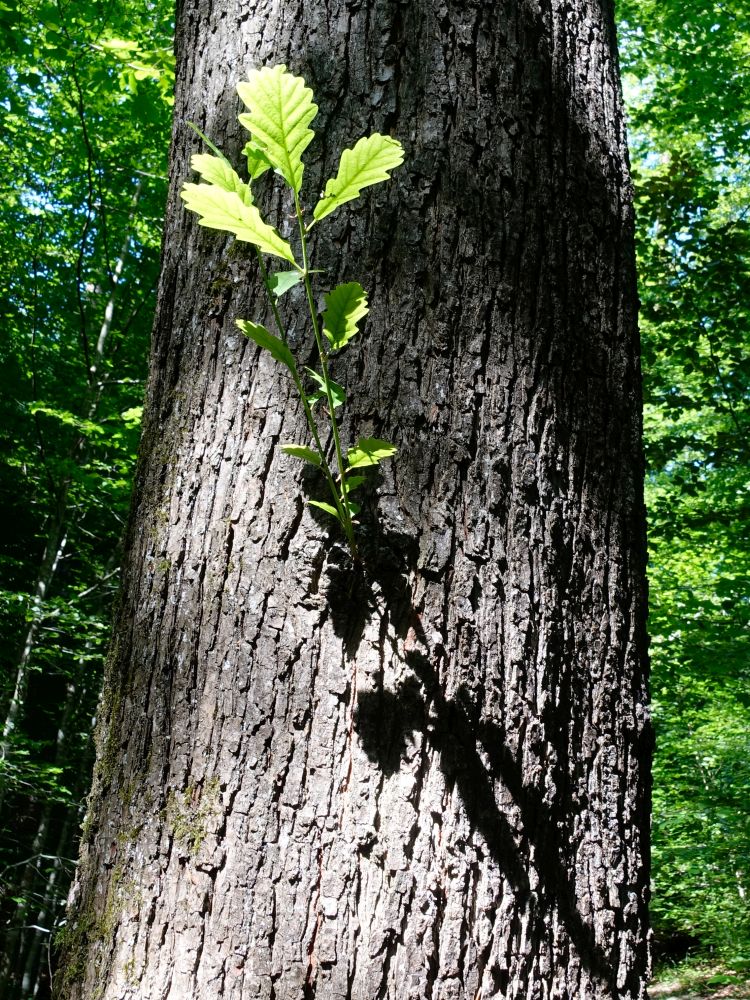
(678,989)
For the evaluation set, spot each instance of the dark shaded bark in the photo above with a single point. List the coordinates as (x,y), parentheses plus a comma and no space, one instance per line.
(425,777)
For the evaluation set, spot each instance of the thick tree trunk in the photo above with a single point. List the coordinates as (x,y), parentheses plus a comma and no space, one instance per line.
(426,778)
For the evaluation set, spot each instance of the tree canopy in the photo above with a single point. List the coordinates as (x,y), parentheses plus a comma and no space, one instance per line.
(85,92)
(687,83)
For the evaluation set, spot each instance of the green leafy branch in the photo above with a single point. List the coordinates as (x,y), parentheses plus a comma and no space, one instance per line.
(280,110)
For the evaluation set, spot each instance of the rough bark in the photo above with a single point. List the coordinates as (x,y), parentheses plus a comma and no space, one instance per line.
(425,778)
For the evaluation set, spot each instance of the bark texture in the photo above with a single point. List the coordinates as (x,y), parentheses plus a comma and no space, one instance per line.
(425,778)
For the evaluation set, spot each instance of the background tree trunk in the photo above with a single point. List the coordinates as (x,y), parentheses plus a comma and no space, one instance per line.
(426,778)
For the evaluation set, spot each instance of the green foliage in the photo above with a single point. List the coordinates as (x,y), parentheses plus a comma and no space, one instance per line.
(686,81)
(83,144)
(86,96)
(345,307)
(338,393)
(367,163)
(302,452)
(280,110)
(369,451)
(265,339)
(700,977)
(229,211)
(216,170)
(282,281)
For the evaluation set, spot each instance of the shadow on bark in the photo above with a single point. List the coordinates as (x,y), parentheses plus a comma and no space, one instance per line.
(384,721)
(386,557)
(473,753)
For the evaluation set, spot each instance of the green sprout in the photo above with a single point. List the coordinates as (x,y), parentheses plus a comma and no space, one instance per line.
(280,109)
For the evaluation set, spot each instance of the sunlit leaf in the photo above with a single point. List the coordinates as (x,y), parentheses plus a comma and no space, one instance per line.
(354,508)
(66,417)
(280,109)
(338,392)
(353,482)
(368,162)
(225,210)
(282,281)
(257,161)
(218,171)
(345,307)
(132,416)
(119,45)
(265,339)
(369,451)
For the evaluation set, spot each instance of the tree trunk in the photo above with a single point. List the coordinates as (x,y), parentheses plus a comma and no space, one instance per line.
(36,957)
(37,885)
(425,777)
(57,537)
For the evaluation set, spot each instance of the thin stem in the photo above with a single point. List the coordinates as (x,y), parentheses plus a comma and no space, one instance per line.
(344,502)
(311,422)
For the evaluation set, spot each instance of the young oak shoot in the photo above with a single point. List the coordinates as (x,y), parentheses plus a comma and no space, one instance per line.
(280,109)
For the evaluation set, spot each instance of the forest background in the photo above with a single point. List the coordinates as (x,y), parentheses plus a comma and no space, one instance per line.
(86,98)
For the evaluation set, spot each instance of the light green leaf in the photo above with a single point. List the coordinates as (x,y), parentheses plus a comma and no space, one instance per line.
(216,170)
(257,161)
(338,392)
(369,451)
(354,508)
(368,162)
(281,108)
(300,451)
(66,417)
(119,44)
(225,210)
(327,507)
(353,482)
(132,416)
(265,339)
(282,281)
(346,305)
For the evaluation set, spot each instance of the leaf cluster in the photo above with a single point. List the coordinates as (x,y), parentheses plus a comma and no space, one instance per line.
(280,110)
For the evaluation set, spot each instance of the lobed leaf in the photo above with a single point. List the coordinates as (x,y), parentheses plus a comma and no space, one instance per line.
(327,507)
(265,339)
(338,392)
(282,281)
(225,210)
(369,451)
(353,482)
(302,452)
(368,162)
(257,161)
(217,170)
(354,508)
(346,305)
(281,108)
